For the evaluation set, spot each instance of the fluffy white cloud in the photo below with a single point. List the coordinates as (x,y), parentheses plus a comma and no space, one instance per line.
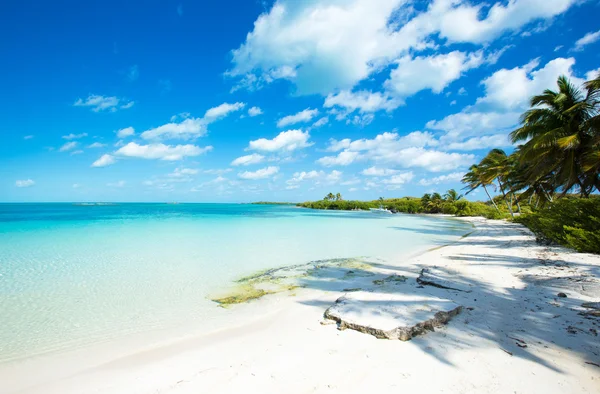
(104,160)
(485,142)
(335,145)
(161,151)
(453,177)
(343,158)
(512,89)
(321,122)
(408,151)
(96,145)
(24,183)
(68,146)
(126,132)
(100,103)
(324,46)
(259,174)
(183,172)
(363,101)
(376,171)
(430,72)
(74,136)
(247,160)
(399,179)
(222,111)
(255,111)
(189,127)
(186,129)
(318,177)
(589,38)
(286,141)
(473,123)
(592,74)
(300,117)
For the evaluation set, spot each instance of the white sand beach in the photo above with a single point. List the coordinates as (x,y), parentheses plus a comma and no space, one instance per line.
(514,334)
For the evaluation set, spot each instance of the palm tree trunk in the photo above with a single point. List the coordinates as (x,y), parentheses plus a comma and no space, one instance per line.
(505,200)
(490,197)
(517,202)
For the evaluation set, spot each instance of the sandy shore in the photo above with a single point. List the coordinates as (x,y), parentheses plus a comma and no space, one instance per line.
(514,335)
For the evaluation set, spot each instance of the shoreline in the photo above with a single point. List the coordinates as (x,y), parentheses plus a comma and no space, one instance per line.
(500,261)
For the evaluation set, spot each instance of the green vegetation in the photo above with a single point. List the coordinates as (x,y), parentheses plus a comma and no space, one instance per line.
(571,222)
(450,203)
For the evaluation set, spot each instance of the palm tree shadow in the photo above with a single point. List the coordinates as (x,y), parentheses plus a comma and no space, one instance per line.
(518,321)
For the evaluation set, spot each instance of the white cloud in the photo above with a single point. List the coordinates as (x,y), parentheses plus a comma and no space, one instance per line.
(430,72)
(189,127)
(485,142)
(343,158)
(453,177)
(104,160)
(24,183)
(68,146)
(259,174)
(399,179)
(321,122)
(222,111)
(76,186)
(324,46)
(76,152)
(96,145)
(473,123)
(100,103)
(407,151)
(255,111)
(589,38)
(335,145)
(286,141)
(28,137)
(376,171)
(592,74)
(300,117)
(74,136)
(363,101)
(186,129)
(126,132)
(512,89)
(116,184)
(183,172)
(161,151)
(254,158)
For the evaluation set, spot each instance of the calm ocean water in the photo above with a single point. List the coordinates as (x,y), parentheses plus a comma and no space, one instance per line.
(73,275)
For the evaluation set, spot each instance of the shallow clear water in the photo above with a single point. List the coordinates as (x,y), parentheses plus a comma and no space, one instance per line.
(74,275)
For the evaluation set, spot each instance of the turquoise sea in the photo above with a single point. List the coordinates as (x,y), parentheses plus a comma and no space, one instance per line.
(75,275)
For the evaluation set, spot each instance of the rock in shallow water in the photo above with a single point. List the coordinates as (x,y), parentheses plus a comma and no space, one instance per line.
(391,316)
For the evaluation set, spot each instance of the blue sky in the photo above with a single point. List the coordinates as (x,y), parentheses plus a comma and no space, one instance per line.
(259,100)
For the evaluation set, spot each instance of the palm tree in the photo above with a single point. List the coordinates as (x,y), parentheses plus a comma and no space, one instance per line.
(338,197)
(561,137)
(496,166)
(329,197)
(452,196)
(473,179)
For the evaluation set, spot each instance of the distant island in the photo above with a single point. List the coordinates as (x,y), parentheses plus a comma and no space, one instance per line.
(272,203)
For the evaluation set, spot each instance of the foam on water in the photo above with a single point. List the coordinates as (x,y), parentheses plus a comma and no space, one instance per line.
(71,276)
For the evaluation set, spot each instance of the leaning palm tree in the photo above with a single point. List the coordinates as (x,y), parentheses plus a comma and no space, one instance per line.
(496,166)
(473,179)
(561,137)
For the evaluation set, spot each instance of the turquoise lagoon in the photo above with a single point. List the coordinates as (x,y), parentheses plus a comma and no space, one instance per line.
(76,275)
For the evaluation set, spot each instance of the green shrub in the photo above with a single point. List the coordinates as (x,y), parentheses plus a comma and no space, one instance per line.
(571,222)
